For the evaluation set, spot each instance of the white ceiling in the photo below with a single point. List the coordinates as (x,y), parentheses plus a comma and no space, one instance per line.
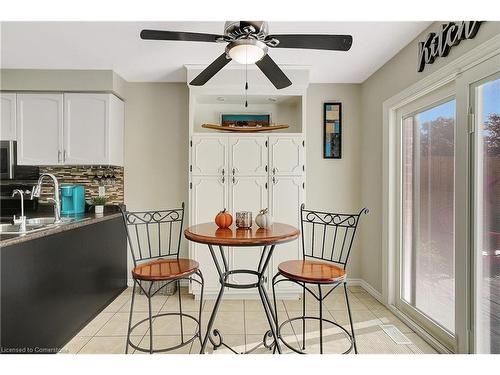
(117,46)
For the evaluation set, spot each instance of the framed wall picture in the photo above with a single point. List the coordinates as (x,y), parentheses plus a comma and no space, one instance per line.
(332,130)
(245,119)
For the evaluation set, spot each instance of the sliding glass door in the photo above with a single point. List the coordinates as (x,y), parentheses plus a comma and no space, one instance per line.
(426,269)
(485,105)
(443,206)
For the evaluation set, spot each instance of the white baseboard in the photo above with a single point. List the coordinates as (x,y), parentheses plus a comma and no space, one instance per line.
(366,286)
(352,281)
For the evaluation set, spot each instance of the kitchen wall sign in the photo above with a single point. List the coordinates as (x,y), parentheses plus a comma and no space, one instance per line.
(439,45)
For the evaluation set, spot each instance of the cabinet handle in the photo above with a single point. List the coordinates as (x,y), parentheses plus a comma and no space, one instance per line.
(59,156)
(274,170)
(64,156)
(234,171)
(223,179)
(274,180)
(223,171)
(234,180)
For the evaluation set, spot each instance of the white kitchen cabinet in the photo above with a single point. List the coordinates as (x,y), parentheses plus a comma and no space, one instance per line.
(247,156)
(233,172)
(247,193)
(209,156)
(93,129)
(286,155)
(39,130)
(8,124)
(286,194)
(208,196)
(69,129)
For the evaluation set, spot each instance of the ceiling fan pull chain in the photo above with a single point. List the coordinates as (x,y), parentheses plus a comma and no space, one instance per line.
(246,84)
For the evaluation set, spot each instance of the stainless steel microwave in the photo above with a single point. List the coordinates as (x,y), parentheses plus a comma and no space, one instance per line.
(8,161)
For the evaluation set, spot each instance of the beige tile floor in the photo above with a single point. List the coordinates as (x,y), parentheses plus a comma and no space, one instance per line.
(243,323)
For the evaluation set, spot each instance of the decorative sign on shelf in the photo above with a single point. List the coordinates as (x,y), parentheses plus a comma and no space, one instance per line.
(439,45)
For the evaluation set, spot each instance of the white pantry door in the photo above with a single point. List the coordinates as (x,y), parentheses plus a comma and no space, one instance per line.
(286,196)
(286,155)
(209,156)
(208,195)
(248,156)
(246,194)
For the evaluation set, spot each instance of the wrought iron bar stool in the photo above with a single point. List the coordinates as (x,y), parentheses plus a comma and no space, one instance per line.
(154,238)
(327,240)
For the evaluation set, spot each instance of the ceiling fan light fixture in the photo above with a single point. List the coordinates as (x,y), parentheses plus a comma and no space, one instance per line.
(246,51)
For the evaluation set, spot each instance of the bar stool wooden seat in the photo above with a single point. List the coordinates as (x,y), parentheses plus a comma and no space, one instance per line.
(327,240)
(165,269)
(154,238)
(312,271)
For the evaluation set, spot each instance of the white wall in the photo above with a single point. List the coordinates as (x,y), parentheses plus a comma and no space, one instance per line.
(156,146)
(397,74)
(335,184)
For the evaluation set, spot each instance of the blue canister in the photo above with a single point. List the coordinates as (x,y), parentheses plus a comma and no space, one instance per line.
(72,199)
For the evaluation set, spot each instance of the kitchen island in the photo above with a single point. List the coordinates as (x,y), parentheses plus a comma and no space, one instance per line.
(55,280)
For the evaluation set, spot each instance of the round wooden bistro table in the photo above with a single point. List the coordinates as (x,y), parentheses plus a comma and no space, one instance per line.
(211,235)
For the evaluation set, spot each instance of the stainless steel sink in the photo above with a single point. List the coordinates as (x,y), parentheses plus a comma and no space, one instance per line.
(16,228)
(47,221)
(35,224)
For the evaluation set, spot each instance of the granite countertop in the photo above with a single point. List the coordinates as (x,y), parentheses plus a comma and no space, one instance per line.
(87,218)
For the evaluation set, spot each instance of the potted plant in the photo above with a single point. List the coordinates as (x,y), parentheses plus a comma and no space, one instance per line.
(99,203)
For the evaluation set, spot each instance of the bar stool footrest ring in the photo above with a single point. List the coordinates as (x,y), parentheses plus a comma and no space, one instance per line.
(289,321)
(183,343)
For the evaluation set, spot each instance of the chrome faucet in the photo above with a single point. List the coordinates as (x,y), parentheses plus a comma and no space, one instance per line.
(22,219)
(57,202)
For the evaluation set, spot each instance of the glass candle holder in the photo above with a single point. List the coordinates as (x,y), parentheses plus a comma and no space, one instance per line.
(244,219)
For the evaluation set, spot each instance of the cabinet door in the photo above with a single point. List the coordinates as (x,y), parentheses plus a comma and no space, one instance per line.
(86,125)
(8,125)
(286,197)
(246,194)
(247,156)
(39,129)
(209,156)
(208,197)
(286,155)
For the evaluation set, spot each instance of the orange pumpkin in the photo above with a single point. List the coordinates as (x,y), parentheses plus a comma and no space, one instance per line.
(223,219)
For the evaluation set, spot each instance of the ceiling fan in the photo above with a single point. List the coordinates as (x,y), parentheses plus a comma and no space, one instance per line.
(248,43)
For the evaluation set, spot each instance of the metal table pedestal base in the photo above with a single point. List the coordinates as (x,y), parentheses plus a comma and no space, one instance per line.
(215,336)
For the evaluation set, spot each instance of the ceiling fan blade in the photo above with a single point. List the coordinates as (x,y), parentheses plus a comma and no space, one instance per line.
(314,41)
(211,70)
(177,35)
(273,72)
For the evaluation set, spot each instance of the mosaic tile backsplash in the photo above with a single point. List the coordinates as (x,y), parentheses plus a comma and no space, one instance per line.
(85,175)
